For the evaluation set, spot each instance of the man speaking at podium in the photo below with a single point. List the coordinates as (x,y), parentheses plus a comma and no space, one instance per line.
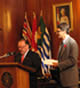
(67,58)
(28,58)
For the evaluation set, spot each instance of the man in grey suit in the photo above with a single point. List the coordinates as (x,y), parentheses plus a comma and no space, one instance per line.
(67,58)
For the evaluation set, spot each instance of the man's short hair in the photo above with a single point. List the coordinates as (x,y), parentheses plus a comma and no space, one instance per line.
(64,27)
(26,42)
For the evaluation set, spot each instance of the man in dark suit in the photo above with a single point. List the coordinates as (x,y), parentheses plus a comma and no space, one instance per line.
(29,58)
(67,58)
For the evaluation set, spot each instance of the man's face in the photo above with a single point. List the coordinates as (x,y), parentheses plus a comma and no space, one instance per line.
(22,46)
(60,33)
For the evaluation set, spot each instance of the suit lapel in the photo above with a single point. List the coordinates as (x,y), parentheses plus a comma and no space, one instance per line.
(60,50)
(27,56)
(28,53)
(63,49)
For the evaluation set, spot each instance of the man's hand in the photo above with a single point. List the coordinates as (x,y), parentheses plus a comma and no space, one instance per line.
(55,64)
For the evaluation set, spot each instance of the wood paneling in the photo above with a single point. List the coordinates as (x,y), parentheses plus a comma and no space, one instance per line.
(11,21)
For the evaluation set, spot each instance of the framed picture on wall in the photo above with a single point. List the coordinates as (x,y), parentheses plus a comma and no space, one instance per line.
(62,13)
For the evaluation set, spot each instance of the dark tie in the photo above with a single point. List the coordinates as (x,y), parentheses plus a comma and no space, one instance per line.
(61,46)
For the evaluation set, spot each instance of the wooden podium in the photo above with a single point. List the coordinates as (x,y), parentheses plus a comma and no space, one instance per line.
(14,75)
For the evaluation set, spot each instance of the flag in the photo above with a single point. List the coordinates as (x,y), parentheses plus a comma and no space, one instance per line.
(26,32)
(34,33)
(44,46)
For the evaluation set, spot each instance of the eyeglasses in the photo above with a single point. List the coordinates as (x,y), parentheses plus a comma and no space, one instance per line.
(21,47)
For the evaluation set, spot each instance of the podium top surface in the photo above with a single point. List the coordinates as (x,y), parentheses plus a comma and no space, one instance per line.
(17,65)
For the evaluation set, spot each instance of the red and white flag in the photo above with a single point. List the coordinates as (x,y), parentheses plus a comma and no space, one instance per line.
(26,32)
(34,33)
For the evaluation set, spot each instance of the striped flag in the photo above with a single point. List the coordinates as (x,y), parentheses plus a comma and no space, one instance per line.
(44,46)
(26,32)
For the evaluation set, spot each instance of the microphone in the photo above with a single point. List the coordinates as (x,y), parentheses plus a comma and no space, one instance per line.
(8,54)
(11,53)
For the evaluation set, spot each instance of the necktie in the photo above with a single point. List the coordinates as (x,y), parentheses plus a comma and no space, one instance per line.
(61,49)
(61,46)
(22,58)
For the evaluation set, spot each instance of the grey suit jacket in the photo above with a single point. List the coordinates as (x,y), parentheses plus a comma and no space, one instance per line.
(68,63)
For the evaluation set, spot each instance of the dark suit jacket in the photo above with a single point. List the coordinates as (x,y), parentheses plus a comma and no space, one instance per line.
(68,63)
(33,60)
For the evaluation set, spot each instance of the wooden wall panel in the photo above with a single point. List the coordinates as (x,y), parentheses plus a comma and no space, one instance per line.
(76,32)
(1,41)
(11,22)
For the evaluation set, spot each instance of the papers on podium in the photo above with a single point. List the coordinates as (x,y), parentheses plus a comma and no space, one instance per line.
(50,61)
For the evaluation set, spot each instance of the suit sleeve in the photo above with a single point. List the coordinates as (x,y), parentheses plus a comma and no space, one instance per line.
(71,59)
(17,57)
(36,61)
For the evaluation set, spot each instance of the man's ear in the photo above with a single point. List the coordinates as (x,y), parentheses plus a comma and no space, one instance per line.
(65,31)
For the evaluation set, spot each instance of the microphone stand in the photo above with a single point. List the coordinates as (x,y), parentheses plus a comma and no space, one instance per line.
(7,55)
(4,56)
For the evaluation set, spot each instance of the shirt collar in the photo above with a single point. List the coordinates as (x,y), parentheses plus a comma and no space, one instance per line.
(65,39)
(26,53)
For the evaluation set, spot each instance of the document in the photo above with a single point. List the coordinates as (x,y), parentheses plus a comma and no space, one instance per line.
(50,61)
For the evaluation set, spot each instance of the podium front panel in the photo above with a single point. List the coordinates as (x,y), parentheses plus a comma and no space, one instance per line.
(13,77)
